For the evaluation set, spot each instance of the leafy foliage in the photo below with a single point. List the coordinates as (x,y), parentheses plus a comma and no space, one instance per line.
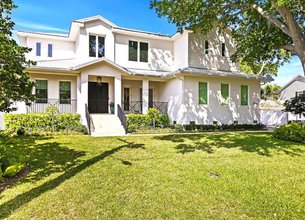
(43,123)
(291,132)
(270,92)
(15,84)
(295,105)
(266,32)
(152,119)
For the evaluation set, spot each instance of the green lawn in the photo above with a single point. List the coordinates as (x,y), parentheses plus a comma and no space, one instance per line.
(219,176)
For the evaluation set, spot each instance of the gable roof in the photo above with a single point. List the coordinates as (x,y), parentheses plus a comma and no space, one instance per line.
(297,78)
(96,18)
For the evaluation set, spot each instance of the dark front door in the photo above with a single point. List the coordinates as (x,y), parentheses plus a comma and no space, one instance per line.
(98,95)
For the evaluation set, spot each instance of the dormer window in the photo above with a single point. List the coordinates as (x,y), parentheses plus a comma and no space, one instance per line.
(96,46)
(38,49)
(206,47)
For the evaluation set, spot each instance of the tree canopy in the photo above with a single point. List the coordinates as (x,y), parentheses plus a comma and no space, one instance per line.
(267,32)
(15,84)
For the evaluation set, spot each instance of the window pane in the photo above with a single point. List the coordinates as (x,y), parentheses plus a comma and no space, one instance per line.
(203,93)
(92,46)
(50,50)
(38,49)
(206,47)
(223,49)
(143,52)
(133,51)
(225,94)
(41,91)
(101,46)
(65,92)
(244,95)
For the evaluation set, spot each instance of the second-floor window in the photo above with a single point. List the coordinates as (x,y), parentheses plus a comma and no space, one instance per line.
(50,50)
(223,49)
(206,47)
(138,53)
(96,46)
(41,91)
(38,49)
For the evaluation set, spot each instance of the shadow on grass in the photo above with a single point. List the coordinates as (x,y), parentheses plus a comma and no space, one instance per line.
(44,155)
(261,143)
(9,207)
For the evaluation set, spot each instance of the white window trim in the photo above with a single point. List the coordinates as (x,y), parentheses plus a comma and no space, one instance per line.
(36,49)
(138,52)
(206,50)
(66,80)
(208,93)
(49,51)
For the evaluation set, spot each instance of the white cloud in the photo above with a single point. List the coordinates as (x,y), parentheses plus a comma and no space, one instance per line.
(35,26)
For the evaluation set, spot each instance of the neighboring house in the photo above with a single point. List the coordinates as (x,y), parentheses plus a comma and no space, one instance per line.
(188,76)
(296,85)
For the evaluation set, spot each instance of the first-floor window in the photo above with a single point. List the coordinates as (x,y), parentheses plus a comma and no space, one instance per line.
(224,94)
(41,91)
(244,94)
(203,93)
(65,92)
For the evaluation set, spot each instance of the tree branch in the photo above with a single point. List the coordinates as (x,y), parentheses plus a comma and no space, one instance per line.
(290,48)
(264,14)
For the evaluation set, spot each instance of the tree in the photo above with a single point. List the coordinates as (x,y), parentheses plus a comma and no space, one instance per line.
(270,92)
(267,32)
(15,84)
(296,105)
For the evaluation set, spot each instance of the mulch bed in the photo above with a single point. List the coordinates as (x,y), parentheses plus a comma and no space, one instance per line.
(10,181)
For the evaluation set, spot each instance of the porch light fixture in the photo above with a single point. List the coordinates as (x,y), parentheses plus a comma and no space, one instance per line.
(99,80)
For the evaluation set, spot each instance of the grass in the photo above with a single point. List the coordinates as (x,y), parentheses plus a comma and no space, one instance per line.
(219,176)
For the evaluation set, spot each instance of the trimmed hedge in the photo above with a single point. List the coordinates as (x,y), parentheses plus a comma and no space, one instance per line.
(152,119)
(224,127)
(291,132)
(43,123)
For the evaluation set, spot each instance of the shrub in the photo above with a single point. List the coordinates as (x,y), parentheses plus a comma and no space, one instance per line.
(43,123)
(1,175)
(291,132)
(13,170)
(152,119)
(20,131)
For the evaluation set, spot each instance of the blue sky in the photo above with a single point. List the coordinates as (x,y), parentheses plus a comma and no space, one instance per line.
(56,16)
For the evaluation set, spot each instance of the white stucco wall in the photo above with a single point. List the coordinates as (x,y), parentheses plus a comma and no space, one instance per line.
(53,83)
(213,60)
(160,53)
(289,92)
(214,111)
(61,49)
(94,28)
(171,92)
(181,51)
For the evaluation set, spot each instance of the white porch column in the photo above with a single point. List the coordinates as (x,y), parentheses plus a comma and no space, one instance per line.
(117,93)
(78,94)
(83,96)
(145,95)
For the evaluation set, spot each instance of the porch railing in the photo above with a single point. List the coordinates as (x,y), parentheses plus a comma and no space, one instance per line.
(122,117)
(63,106)
(135,107)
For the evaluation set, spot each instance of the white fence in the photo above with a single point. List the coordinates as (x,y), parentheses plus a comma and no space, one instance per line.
(272,117)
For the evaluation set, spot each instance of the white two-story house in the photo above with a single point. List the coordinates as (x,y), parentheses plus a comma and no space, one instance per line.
(98,64)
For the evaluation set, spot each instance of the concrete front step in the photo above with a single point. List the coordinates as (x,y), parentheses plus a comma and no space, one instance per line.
(107,125)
